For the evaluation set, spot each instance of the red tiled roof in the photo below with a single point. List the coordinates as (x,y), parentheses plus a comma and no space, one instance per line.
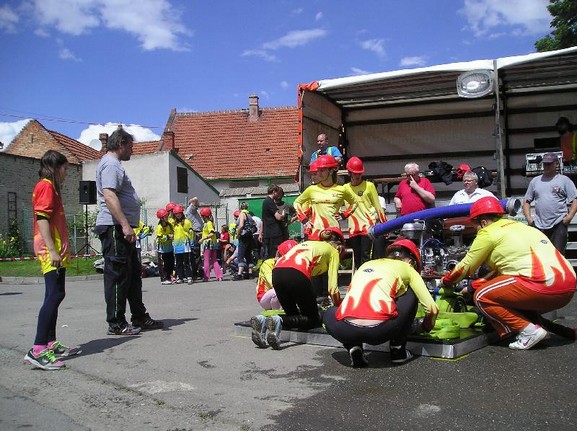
(227,144)
(80,151)
(145,147)
(34,140)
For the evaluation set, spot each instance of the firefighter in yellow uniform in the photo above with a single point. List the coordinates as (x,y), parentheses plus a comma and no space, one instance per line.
(528,277)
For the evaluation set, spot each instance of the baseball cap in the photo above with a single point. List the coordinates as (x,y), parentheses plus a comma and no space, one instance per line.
(550,158)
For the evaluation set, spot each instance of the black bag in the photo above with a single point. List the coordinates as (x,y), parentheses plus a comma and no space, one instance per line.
(485,176)
(249,228)
(443,170)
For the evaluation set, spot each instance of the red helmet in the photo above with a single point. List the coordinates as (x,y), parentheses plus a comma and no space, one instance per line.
(314,167)
(285,246)
(236,213)
(486,205)
(170,206)
(355,165)
(205,212)
(410,246)
(332,233)
(326,161)
(178,209)
(161,213)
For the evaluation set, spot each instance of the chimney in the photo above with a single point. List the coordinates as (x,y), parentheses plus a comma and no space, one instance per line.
(103,138)
(168,140)
(253,108)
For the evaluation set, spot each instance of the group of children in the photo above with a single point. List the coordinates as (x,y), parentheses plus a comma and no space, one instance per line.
(180,247)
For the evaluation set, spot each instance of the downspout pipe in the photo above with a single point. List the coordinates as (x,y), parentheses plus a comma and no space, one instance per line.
(510,205)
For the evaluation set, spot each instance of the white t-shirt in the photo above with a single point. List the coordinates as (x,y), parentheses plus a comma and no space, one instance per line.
(461,197)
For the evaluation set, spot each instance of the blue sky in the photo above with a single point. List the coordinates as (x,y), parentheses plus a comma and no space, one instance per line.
(82,66)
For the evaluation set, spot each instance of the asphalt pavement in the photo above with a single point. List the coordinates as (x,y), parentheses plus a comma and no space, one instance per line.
(196,374)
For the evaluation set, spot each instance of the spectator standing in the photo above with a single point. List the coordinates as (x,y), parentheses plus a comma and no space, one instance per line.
(181,243)
(325,149)
(164,236)
(551,192)
(51,248)
(118,215)
(471,191)
(224,242)
(192,214)
(245,239)
(258,245)
(368,213)
(273,222)
(290,215)
(209,245)
(414,194)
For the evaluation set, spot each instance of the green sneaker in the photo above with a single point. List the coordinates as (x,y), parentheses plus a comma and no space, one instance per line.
(45,360)
(62,351)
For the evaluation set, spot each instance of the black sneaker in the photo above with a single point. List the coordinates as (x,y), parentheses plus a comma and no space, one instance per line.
(237,277)
(358,358)
(400,355)
(123,330)
(147,324)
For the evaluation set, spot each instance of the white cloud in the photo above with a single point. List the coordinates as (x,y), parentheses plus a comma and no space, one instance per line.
(375,45)
(284,85)
(265,55)
(66,54)
(295,38)
(319,16)
(413,61)
(8,19)
(73,17)
(156,24)
(357,71)
(292,39)
(89,136)
(526,16)
(8,131)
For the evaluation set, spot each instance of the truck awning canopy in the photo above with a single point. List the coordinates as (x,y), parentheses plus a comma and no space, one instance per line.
(516,74)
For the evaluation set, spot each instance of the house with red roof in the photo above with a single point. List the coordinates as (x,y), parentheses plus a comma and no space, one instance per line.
(239,152)
(19,166)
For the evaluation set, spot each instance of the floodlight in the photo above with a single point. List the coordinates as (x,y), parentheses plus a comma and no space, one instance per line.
(475,83)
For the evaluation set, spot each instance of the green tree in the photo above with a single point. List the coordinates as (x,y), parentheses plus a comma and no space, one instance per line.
(564,25)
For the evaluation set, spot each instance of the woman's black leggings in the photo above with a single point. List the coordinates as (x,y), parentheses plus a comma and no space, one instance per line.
(395,330)
(295,294)
(48,314)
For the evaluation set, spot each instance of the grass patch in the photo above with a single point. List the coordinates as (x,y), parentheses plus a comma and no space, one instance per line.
(31,268)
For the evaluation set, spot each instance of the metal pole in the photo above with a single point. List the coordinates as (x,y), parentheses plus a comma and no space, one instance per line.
(497,133)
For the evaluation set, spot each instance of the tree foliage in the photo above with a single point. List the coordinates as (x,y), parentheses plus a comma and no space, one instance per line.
(564,25)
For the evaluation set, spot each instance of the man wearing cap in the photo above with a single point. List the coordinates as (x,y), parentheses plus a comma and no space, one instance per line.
(568,140)
(551,192)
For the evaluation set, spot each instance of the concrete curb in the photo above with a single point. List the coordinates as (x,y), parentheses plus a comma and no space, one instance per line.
(40,280)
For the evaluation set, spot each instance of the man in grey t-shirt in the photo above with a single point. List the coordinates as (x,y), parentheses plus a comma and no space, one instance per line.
(118,215)
(551,192)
